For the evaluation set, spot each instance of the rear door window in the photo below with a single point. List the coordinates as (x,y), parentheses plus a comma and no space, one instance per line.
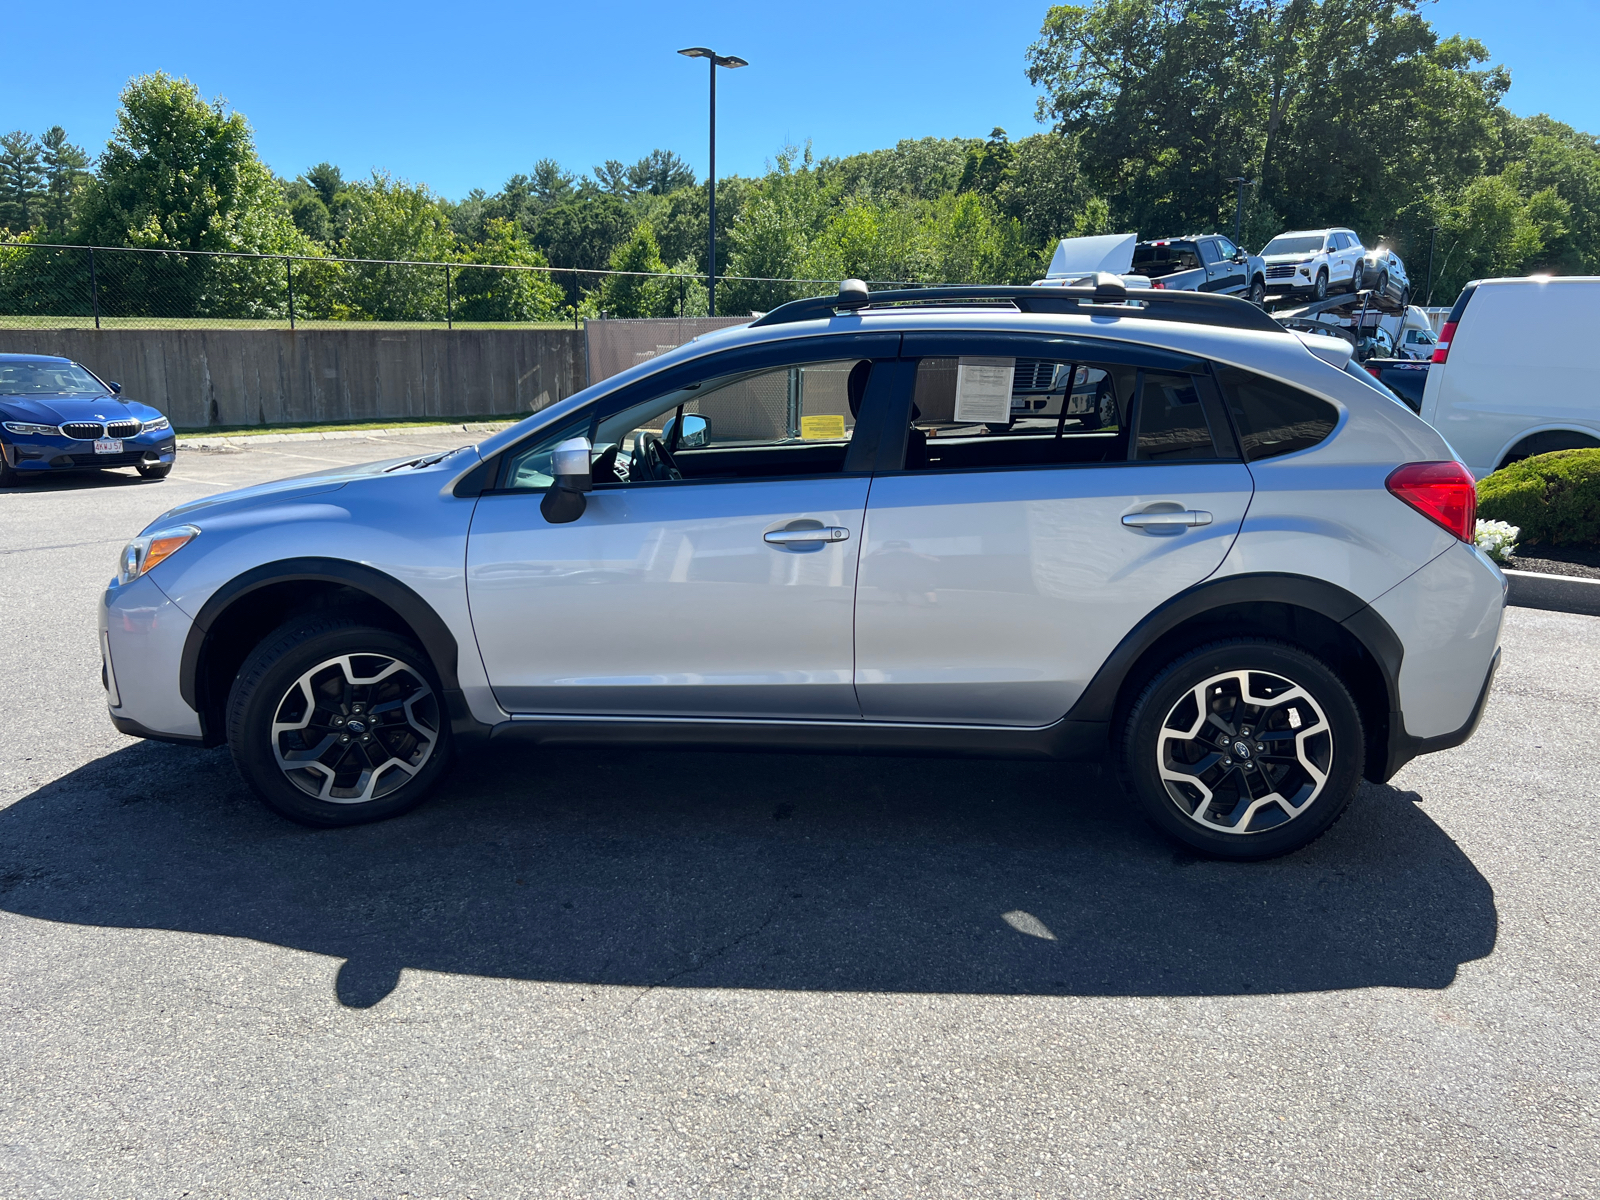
(1274,418)
(974,412)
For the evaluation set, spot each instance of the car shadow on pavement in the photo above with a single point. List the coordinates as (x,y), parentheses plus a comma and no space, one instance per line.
(737,870)
(77,481)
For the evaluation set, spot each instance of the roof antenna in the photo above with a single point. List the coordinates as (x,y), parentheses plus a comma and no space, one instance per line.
(853,294)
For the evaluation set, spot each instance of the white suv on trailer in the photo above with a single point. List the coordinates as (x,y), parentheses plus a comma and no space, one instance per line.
(1249,581)
(1313,262)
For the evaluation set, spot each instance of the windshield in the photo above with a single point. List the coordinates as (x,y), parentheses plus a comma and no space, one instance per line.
(1301,244)
(48,379)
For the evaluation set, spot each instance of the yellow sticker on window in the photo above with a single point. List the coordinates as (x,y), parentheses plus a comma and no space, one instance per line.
(823,427)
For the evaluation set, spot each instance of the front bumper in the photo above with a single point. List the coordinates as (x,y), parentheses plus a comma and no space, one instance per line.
(141,642)
(34,453)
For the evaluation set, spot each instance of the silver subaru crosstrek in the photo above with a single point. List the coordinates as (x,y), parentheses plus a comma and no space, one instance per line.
(1245,575)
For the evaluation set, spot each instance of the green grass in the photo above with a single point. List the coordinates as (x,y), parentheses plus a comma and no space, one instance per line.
(46,323)
(350,426)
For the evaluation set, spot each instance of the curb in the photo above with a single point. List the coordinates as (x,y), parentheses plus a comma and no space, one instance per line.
(244,441)
(1555,593)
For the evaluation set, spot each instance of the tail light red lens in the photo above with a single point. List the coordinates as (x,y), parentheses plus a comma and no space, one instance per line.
(1156,283)
(1444,492)
(1441,349)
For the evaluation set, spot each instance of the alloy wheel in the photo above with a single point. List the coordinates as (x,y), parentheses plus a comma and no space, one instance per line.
(355,728)
(1244,752)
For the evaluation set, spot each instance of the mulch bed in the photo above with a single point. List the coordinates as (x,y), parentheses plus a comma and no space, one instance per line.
(1578,562)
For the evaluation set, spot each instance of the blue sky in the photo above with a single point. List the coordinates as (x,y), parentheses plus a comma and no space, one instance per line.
(463,97)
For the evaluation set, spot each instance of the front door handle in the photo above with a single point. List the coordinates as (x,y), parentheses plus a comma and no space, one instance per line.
(826,533)
(1166,520)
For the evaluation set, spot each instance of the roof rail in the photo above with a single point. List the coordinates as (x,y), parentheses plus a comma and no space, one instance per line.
(1107,298)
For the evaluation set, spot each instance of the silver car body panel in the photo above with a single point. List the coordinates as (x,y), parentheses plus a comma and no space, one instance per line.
(994,596)
(667,599)
(1447,615)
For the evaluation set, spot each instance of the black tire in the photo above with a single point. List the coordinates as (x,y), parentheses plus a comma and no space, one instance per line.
(1358,277)
(1329,740)
(407,704)
(1383,284)
(1258,292)
(9,475)
(157,472)
(1319,290)
(1405,298)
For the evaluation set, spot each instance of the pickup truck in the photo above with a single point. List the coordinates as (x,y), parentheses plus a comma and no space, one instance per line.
(1203,263)
(1405,377)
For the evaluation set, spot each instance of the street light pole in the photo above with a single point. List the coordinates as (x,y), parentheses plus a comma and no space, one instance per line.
(1433,234)
(715,60)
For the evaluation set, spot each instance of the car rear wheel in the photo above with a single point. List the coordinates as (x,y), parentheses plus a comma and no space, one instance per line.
(1244,749)
(336,723)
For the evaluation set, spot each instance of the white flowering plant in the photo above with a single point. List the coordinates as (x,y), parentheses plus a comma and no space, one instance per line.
(1497,539)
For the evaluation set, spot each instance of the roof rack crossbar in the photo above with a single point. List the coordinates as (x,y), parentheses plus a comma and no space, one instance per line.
(1197,308)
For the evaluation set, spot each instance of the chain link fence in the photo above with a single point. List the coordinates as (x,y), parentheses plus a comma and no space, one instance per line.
(47,286)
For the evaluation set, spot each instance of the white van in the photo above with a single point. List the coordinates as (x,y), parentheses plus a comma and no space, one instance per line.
(1506,381)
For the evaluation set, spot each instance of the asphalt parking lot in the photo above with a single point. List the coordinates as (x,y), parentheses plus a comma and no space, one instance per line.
(594,974)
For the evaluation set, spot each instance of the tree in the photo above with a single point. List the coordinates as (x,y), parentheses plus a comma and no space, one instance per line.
(181,173)
(65,170)
(634,294)
(582,231)
(21,181)
(1347,111)
(660,172)
(484,295)
(390,219)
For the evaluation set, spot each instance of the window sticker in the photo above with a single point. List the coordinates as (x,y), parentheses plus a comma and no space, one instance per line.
(824,427)
(983,389)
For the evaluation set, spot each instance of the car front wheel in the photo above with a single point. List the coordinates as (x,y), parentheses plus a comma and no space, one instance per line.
(1244,749)
(1319,290)
(1258,292)
(332,722)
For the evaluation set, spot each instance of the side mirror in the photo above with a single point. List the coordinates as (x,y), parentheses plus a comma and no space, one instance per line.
(1240,256)
(695,434)
(116,388)
(565,501)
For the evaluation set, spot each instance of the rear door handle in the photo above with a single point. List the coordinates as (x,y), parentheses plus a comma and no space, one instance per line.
(828,533)
(1165,520)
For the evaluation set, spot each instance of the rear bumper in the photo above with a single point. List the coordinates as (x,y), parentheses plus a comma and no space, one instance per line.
(1403,747)
(1447,617)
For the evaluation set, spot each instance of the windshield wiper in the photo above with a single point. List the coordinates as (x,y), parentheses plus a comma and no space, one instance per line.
(426,461)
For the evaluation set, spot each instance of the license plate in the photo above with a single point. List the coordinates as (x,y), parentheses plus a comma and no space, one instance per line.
(108,445)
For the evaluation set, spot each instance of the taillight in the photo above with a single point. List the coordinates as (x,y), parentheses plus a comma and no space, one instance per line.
(1374,372)
(1441,349)
(1156,283)
(1444,492)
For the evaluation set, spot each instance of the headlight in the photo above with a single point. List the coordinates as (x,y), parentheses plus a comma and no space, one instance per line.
(143,553)
(155,426)
(25,427)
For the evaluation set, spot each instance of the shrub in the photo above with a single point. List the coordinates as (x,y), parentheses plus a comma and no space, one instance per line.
(1553,498)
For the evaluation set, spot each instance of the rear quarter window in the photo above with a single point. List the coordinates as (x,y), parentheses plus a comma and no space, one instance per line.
(1274,418)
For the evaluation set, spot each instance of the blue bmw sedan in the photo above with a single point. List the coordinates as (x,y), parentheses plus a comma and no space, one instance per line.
(56,415)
